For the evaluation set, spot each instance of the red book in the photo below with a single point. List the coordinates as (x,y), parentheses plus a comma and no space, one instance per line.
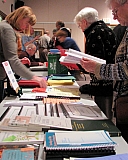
(70,65)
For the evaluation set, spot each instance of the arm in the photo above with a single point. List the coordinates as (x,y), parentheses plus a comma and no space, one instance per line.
(31,41)
(116,71)
(8,40)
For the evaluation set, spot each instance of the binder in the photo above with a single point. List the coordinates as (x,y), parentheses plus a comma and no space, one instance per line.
(60,144)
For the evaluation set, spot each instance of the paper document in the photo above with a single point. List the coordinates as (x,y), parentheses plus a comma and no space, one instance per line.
(10,75)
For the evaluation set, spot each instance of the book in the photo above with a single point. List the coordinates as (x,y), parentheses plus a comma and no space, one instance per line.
(81,111)
(71,65)
(39,122)
(20,138)
(62,77)
(63,91)
(112,157)
(92,125)
(18,154)
(60,82)
(33,96)
(68,143)
(74,57)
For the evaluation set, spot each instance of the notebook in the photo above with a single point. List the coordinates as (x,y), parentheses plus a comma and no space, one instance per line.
(68,143)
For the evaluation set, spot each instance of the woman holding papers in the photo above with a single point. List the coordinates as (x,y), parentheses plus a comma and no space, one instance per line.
(117,71)
(101,43)
(16,21)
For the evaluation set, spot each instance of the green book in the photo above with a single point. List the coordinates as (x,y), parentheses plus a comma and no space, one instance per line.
(91,125)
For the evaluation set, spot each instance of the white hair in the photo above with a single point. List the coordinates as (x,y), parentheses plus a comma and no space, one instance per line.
(87,13)
(30,46)
(121,2)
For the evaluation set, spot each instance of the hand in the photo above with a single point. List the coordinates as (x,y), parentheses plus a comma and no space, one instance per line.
(42,82)
(88,65)
(25,60)
(41,64)
(37,37)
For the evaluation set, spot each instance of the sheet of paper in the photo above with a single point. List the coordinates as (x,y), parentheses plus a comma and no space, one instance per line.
(10,75)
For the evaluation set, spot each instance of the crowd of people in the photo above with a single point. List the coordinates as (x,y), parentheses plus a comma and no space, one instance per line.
(110,79)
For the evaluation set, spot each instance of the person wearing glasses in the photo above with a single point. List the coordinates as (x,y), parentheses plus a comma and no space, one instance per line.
(27,56)
(101,43)
(16,21)
(117,71)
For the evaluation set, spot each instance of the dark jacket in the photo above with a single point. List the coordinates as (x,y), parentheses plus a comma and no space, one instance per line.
(101,42)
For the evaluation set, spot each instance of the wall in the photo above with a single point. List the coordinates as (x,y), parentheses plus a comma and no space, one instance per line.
(49,11)
(6,7)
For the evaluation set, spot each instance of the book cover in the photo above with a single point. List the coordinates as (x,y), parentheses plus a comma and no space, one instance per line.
(87,125)
(71,65)
(18,154)
(77,140)
(63,92)
(11,138)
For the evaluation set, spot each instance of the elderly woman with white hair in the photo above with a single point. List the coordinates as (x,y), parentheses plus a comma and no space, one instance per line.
(100,42)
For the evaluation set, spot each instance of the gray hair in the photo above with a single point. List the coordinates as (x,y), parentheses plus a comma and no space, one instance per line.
(87,13)
(121,2)
(30,46)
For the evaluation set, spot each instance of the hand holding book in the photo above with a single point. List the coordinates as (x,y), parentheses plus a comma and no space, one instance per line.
(74,57)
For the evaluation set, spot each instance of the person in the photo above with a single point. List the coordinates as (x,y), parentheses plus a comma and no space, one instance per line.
(119,32)
(43,44)
(53,39)
(66,43)
(101,43)
(28,38)
(17,20)
(117,71)
(27,57)
(60,25)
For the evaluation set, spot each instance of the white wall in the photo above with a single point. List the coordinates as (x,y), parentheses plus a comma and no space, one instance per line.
(6,7)
(49,11)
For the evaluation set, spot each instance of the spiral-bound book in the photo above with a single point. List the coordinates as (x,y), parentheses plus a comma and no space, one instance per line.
(83,143)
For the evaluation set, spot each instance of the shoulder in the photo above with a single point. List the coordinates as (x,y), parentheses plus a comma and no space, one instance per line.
(69,39)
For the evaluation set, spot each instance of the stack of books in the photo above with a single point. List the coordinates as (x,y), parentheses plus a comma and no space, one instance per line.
(65,144)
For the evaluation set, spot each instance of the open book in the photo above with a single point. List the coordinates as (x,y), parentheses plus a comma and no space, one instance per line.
(74,57)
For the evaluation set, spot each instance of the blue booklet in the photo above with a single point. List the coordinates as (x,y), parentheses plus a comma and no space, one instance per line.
(18,154)
(78,140)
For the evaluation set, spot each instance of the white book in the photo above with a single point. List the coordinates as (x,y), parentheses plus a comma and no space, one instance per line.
(74,57)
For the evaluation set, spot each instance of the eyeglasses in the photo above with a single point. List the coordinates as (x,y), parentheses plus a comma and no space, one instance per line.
(79,25)
(115,10)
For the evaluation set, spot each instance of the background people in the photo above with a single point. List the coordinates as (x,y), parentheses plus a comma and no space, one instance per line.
(27,56)
(117,71)
(100,42)
(44,45)
(17,20)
